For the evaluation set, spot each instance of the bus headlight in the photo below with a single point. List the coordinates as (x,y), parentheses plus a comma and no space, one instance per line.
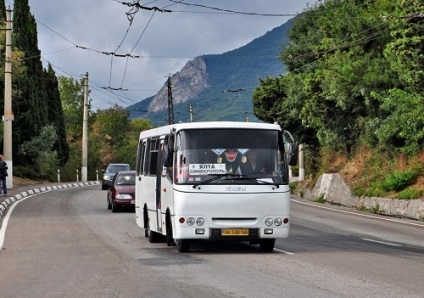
(269,221)
(190,221)
(200,221)
(278,221)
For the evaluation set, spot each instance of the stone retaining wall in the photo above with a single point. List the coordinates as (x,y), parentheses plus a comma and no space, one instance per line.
(336,191)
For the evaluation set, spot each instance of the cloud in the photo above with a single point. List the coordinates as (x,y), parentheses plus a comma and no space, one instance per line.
(164,41)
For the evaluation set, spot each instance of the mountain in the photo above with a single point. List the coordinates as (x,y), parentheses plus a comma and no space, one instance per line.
(217,87)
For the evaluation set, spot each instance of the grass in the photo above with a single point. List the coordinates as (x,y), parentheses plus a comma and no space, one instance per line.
(376,174)
(320,199)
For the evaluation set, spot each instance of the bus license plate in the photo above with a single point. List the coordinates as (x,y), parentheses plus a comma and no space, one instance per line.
(235,232)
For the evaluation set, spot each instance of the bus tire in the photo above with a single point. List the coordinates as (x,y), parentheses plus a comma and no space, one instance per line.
(183,245)
(146,223)
(267,245)
(169,239)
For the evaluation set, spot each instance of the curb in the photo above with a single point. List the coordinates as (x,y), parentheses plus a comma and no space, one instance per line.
(11,200)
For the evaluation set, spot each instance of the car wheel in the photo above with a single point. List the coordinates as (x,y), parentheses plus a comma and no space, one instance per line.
(109,205)
(104,187)
(267,245)
(114,208)
(183,245)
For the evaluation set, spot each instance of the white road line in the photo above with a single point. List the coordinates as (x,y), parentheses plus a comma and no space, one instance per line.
(6,219)
(363,215)
(381,242)
(283,251)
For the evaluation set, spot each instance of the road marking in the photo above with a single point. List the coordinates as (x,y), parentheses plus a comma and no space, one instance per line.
(381,242)
(363,215)
(283,251)
(6,219)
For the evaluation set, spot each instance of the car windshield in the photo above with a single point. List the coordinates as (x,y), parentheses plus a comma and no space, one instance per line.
(117,168)
(126,179)
(228,156)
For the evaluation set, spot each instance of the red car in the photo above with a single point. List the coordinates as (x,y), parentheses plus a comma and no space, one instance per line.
(121,194)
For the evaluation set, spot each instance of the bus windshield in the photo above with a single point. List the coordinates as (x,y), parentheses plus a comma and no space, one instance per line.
(229,156)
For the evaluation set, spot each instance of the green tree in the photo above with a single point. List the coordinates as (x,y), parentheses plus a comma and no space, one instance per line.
(40,149)
(72,97)
(55,114)
(110,129)
(30,101)
(403,103)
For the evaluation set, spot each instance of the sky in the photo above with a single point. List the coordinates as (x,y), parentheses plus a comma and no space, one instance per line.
(157,38)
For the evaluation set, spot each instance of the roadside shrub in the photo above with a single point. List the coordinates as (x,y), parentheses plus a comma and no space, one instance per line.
(409,194)
(320,199)
(398,181)
(26,172)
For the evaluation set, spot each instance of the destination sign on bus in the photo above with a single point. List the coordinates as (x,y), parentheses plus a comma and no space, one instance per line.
(207,169)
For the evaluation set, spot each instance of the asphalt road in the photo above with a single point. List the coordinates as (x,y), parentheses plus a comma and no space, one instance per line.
(67,244)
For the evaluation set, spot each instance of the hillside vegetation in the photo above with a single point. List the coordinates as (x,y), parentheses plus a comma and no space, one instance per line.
(354,94)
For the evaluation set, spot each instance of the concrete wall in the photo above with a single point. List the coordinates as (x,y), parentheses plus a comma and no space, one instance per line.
(336,191)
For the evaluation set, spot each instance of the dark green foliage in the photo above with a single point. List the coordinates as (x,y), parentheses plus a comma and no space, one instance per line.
(409,194)
(398,181)
(30,101)
(55,114)
(356,77)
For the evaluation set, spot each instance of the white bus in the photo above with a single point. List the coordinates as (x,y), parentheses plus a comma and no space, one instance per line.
(195,181)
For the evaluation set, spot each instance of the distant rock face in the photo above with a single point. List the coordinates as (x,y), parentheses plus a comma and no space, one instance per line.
(187,83)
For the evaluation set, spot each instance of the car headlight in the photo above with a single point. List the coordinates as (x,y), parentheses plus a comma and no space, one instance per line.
(190,221)
(200,221)
(278,221)
(269,221)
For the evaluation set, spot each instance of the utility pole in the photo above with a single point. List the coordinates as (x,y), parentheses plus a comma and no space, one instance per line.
(190,110)
(84,131)
(170,103)
(8,113)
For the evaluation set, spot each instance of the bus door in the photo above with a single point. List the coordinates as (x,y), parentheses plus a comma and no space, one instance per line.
(159,185)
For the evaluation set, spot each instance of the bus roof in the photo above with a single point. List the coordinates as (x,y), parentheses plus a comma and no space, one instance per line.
(163,130)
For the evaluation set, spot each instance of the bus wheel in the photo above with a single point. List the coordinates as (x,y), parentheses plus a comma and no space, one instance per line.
(267,245)
(146,223)
(183,245)
(169,239)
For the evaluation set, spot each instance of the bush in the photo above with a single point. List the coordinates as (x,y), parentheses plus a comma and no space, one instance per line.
(409,194)
(398,181)
(26,172)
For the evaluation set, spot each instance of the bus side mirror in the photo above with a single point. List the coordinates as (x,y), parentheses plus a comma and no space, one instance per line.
(292,153)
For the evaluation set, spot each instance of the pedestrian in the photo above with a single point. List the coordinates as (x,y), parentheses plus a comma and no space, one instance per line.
(3,175)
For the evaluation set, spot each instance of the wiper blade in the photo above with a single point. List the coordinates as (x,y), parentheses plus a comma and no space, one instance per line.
(218,176)
(235,177)
(256,179)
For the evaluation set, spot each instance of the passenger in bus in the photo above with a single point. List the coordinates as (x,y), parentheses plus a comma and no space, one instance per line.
(252,164)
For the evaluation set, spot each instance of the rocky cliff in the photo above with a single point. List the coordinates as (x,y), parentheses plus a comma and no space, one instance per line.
(186,84)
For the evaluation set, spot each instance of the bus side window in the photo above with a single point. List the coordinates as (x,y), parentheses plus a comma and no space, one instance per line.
(141,157)
(153,157)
